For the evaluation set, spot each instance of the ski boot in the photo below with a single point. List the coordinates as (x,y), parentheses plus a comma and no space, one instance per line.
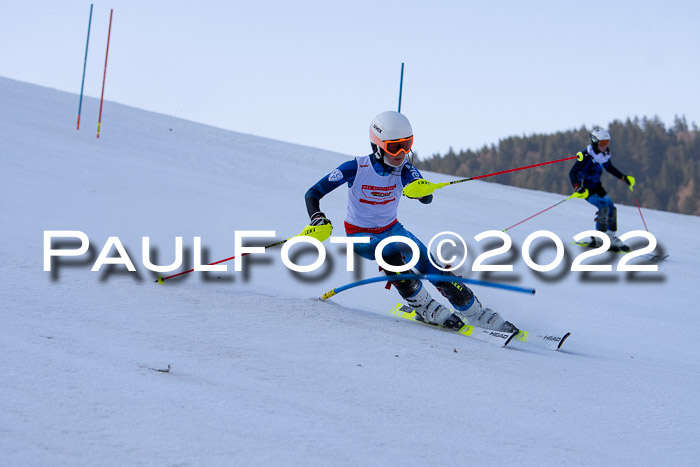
(485,318)
(595,242)
(615,243)
(429,310)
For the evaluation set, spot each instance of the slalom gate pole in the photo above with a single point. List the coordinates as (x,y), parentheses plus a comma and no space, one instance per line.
(640,212)
(104,76)
(161,278)
(537,214)
(82,85)
(430,277)
(400,87)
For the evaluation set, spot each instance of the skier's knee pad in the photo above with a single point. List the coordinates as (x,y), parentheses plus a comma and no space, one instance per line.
(612,220)
(393,259)
(457,293)
(405,288)
(602,219)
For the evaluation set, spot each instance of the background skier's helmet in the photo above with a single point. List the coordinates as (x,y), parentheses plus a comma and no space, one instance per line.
(390,132)
(599,135)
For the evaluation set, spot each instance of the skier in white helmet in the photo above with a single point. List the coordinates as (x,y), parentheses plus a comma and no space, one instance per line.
(375,184)
(585,177)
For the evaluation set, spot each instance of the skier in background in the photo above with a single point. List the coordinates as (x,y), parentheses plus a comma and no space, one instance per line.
(375,184)
(585,177)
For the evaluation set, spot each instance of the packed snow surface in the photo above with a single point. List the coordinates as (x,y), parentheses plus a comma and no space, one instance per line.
(250,368)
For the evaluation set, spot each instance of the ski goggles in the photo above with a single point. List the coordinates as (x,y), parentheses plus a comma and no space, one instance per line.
(395,146)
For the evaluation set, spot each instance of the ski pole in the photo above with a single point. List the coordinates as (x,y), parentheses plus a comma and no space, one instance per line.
(537,214)
(640,209)
(640,213)
(631,182)
(420,188)
(430,277)
(320,232)
(161,278)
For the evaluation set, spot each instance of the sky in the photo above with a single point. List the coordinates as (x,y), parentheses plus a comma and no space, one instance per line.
(316,73)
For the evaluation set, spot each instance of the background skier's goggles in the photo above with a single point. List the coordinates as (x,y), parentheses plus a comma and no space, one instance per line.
(394,147)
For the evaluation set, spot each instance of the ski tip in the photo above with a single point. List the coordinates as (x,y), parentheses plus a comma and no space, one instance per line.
(512,335)
(563,339)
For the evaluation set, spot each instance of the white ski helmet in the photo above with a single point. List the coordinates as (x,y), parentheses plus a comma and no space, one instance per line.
(390,132)
(598,135)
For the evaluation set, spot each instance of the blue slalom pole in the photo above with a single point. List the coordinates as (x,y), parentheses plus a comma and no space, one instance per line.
(430,277)
(82,85)
(401,87)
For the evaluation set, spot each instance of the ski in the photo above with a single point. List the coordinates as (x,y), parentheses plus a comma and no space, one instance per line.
(485,335)
(549,341)
(650,256)
(655,258)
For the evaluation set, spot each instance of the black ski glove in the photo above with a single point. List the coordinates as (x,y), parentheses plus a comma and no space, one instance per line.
(319,218)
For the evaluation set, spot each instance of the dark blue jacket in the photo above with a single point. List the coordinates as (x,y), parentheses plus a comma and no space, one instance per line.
(586,172)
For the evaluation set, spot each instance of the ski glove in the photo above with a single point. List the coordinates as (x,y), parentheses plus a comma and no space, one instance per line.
(319,218)
(580,192)
(629,180)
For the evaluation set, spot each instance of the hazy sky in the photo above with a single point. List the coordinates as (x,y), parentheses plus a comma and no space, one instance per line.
(316,72)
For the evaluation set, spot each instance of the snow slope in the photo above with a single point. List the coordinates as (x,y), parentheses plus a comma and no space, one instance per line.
(263,374)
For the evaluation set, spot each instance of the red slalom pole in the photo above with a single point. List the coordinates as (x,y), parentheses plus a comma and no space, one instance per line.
(104,76)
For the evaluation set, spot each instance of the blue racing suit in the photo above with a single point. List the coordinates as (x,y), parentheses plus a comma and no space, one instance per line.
(394,253)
